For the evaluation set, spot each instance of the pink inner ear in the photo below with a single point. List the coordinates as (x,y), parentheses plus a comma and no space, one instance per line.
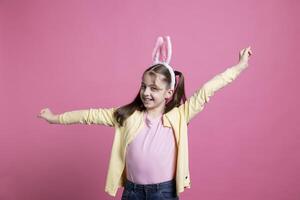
(157,50)
(161,50)
(165,52)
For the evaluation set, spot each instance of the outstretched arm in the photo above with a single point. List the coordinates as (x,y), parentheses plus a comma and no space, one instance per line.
(103,116)
(196,102)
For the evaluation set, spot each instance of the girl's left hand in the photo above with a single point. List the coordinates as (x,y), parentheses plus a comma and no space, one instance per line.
(244,55)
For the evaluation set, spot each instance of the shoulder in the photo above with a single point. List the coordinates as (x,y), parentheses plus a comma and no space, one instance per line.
(173,114)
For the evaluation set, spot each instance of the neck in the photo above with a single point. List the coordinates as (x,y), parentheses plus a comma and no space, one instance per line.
(155,112)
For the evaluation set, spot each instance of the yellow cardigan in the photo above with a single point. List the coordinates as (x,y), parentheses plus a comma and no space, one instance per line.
(177,119)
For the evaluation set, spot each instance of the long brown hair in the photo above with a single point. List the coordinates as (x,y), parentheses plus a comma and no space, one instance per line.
(122,113)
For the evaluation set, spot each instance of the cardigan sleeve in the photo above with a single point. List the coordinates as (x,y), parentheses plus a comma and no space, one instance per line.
(102,116)
(194,104)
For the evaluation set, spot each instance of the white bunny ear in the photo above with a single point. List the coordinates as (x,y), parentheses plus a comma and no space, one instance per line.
(169,49)
(157,49)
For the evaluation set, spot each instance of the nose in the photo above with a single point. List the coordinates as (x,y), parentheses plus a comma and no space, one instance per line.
(146,92)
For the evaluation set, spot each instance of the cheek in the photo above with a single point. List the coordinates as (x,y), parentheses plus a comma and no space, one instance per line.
(157,96)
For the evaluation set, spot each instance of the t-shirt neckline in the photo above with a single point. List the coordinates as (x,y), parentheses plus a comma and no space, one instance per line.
(151,118)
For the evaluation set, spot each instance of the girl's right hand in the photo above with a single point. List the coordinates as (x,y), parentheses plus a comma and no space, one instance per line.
(47,115)
(245,55)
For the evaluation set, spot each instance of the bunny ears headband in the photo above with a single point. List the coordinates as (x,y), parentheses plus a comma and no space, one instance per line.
(162,53)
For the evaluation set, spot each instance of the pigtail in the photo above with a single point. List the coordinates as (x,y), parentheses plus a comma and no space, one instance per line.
(179,96)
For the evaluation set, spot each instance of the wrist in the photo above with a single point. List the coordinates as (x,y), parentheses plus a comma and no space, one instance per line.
(243,64)
(240,66)
(54,119)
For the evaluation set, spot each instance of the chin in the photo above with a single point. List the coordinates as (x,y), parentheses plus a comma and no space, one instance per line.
(148,106)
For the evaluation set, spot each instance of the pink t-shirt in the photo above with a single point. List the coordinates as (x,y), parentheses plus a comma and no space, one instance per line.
(151,156)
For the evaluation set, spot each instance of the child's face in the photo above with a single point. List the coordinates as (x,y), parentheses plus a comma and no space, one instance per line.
(153,91)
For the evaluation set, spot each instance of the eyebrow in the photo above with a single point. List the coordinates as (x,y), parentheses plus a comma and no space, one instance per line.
(152,85)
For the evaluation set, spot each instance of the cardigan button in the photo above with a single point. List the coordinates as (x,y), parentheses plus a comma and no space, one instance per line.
(186,177)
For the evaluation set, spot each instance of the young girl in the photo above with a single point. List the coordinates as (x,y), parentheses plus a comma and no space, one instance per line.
(149,156)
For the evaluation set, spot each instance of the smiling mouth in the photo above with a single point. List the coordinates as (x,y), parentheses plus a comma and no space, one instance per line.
(147,100)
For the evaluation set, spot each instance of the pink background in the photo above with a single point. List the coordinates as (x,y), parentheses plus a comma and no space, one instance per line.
(68,55)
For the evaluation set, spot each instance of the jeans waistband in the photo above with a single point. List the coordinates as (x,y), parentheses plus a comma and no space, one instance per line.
(156,186)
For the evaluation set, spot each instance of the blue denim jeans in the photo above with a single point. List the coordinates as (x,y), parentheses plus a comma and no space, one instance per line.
(159,191)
